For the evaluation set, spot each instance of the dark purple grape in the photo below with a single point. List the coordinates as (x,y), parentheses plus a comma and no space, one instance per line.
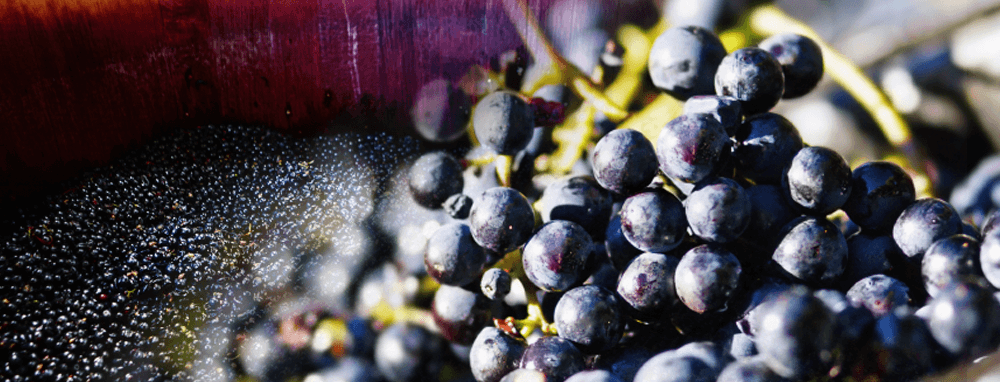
(765,146)
(924,222)
(594,376)
(707,351)
(869,255)
(753,76)
(879,293)
(726,110)
(590,317)
(818,180)
(452,256)
(624,161)
(555,256)
(669,366)
(458,206)
(653,220)
(618,248)
(949,260)
(718,210)
(495,283)
(647,285)
(579,199)
(441,111)
(494,354)
(989,257)
(965,320)
(796,334)
(769,212)
(706,277)
(751,369)
(503,122)
(906,347)
(434,177)
(459,313)
(683,61)
(801,62)
(405,352)
(555,357)
(501,219)
(880,191)
(624,360)
(692,147)
(812,250)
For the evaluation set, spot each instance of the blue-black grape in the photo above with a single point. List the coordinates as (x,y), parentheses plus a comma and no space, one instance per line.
(579,199)
(596,375)
(495,283)
(441,111)
(796,334)
(683,61)
(879,293)
(501,219)
(869,255)
(706,277)
(989,257)
(459,313)
(725,109)
(880,191)
(669,366)
(965,320)
(801,62)
(590,317)
(924,222)
(949,260)
(770,210)
(620,251)
(647,285)
(653,220)
(503,122)
(556,357)
(494,354)
(753,76)
(718,210)
(624,161)
(692,147)
(434,177)
(751,369)
(818,180)
(406,352)
(458,206)
(765,146)
(555,256)
(452,256)
(812,250)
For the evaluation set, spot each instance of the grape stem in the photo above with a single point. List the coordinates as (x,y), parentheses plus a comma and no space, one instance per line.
(556,70)
(535,319)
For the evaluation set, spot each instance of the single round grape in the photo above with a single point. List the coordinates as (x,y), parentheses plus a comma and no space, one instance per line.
(501,219)
(727,110)
(620,251)
(801,62)
(579,199)
(869,255)
(647,285)
(495,283)
(503,122)
(459,313)
(818,180)
(590,317)
(770,210)
(706,277)
(989,257)
(879,293)
(796,334)
(949,260)
(751,369)
(683,61)
(765,146)
(556,357)
(653,220)
(812,250)
(441,111)
(624,161)
(555,256)
(965,320)
(668,366)
(718,210)
(924,222)
(494,354)
(458,206)
(880,191)
(753,76)
(434,177)
(691,147)
(452,256)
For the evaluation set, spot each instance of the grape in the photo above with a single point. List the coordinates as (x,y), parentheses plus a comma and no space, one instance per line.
(965,320)
(868,255)
(441,111)
(795,334)
(624,161)
(452,256)
(494,354)
(818,180)
(769,212)
(653,220)
(706,277)
(753,76)
(813,250)
(503,122)
(594,376)
(406,352)
(726,110)
(879,293)
(434,177)
(880,191)
(501,219)
(579,199)
(671,367)
(801,62)
(458,206)
(495,283)
(752,369)
(683,61)
(589,316)
(718,210)
(555,357)
(618,248)
(924,222)
(765,146)
(555,256)
(949,260)
(647,285)
(460,314)
(691,147)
